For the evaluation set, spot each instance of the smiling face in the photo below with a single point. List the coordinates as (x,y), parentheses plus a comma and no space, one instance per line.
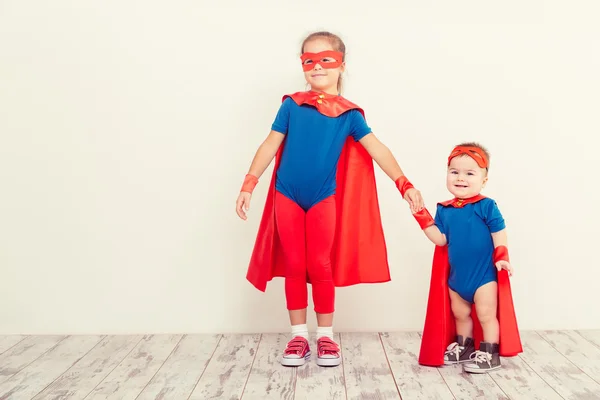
(322,65)
(465,178)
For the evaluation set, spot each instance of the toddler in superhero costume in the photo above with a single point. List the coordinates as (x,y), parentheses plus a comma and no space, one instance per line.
(470,303)
(321,222)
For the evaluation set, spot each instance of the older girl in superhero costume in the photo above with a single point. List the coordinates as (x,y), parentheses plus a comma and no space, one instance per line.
(321,223)
(470,269)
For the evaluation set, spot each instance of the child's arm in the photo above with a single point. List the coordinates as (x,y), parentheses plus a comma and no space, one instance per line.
(427,223)
(265,153)
(500,238)
(263,157)
(387,162)
(497,226)
(433,233)
(501,259)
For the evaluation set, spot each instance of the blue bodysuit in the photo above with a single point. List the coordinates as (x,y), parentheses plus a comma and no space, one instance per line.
(314,142)
(468,232)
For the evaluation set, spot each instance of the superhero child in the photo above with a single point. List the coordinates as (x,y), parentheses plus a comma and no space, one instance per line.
(470,302)
(321,222)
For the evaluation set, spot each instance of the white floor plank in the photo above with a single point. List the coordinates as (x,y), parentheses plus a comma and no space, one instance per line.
(24,353)
(413,380)
(556,370)
(315,383)
(39,374)
(8,341)
(88,372)
(130,377)
(228,369)
(268,379)
(592,336)
(519,381)
(178,376)
(467,386)
(577,349)
(367,373)
(554,365)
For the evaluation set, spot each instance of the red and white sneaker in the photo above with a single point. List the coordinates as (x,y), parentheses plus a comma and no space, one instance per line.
(328,353)
(296,353)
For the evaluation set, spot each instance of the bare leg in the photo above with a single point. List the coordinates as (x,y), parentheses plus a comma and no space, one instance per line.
(462,314)
(324,319)
(298,317)
(487,358)
(486,304)
(463,347)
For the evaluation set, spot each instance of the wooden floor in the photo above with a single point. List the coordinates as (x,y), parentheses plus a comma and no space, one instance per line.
(554,365)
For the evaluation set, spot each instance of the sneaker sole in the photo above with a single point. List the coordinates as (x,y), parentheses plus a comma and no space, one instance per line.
(295,362)
(456,362)
(329,362)
(481,370)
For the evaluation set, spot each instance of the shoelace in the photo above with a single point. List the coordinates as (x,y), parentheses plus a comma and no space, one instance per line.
(454,348)
(481,357)
(295,346)
(328,347)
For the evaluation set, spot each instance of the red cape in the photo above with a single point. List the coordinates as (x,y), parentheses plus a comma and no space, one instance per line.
(359,252)
(439,330)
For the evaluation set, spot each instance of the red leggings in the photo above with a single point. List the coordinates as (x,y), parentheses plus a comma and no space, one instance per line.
(307,240)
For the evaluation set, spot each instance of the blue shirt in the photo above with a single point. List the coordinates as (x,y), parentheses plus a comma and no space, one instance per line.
(470,246)
(313,144)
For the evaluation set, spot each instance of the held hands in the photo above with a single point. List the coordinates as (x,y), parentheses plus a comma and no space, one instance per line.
(410,194)
(414,199)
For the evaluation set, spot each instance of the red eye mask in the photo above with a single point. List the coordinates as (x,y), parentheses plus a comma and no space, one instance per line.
(310,59)
(474,152)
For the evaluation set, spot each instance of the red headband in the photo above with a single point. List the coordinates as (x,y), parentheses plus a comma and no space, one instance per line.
(474,152)
(315,58)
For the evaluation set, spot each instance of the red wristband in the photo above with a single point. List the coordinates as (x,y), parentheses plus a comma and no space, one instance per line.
(501,253)
(424,218)
(250,182)
(403,184)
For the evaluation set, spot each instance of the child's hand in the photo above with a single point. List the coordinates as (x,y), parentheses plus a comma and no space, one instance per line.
(500,265)
(242,205)
(413,196)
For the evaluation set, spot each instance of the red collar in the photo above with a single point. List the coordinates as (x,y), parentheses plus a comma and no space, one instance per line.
(459,203)
(330,105)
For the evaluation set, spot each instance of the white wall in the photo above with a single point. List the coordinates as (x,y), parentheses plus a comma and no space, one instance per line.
(119,123)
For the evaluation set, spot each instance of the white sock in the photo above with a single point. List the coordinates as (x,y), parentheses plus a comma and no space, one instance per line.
(300,330)
(325,331)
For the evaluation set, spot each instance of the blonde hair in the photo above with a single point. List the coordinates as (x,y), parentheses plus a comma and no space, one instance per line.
(336,42)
